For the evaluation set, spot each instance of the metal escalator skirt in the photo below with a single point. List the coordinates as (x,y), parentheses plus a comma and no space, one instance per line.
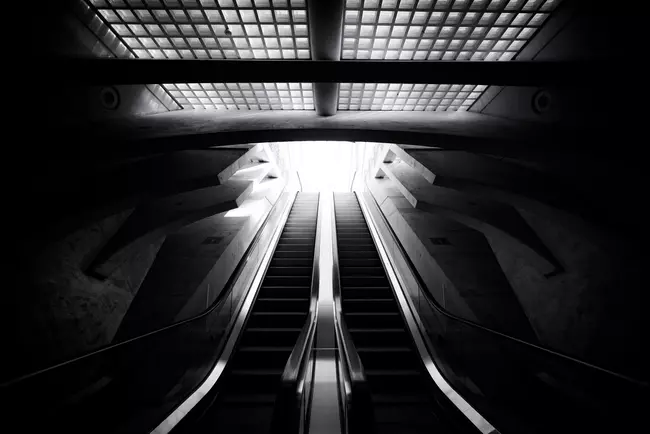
(183,409)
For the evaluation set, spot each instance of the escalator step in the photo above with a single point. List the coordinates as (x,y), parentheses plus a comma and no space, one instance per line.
(379,336)
(369,305)
(344,263)
(372,319)
(282,304)
(274,357)
(287,280)
(277,319)
(293,254)
(289,271)
(284,291)
(358,254)
(362,271)
(292,262)
(305,248)
(363,281)
(351,292)
(262,336)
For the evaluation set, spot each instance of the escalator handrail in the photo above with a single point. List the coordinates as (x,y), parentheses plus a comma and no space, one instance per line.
(297,357)
(223,295)
(435,305)
(350,353)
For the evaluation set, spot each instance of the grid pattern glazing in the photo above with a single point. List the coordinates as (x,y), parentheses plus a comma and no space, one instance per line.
(243,96)
(408,97)
(441,29)
(209,29)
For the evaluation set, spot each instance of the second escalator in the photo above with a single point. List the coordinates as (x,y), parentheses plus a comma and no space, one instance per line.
(403,397)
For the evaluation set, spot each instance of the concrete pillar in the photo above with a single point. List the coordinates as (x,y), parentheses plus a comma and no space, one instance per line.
(325,33)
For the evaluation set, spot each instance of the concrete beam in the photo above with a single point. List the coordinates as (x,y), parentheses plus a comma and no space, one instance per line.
(325,33)
(491,218)
(503,181)
(514,73)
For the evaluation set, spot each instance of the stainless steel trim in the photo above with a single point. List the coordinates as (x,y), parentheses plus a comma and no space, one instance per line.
(415,326)
(182,410)
(325,407)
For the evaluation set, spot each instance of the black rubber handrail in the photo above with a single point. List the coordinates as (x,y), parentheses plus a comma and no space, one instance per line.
(223,295)
(434,304)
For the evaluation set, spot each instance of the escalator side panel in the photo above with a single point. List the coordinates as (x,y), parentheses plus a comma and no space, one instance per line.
(246,395)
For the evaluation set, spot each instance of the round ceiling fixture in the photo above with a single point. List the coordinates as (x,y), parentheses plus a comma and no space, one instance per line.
(110,97)
(542,101)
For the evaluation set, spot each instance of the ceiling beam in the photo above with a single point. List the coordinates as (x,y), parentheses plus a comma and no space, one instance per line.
(326,28)
(140,71)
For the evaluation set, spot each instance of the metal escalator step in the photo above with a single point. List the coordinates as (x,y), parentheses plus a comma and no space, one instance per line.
(291,262)
(362,271)
(251,381)
(387,357)
(304,280)
(275,270)
(297,240)
(395,381)
(355,241)
(352,292)
(295,248)
(262,336)
(277,319)
(269,357)
(282,304)
(358,254)
(369,305)
(293,254)
(379,336)
(363,281)
(372,319)
(284,291)
(359,262)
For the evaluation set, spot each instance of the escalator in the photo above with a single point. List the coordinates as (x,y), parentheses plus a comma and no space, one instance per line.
(402,399)
(245,397)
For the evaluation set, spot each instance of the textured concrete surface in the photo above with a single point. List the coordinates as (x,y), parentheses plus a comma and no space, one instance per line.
(492,218)
(595,309)
(60,312)
(462,274)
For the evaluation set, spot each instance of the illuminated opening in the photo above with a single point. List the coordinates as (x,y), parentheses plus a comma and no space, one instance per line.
(327,166)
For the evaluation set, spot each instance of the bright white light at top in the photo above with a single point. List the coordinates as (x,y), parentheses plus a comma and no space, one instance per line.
(329,166)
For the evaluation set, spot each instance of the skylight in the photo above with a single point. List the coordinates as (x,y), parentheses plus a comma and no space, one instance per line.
(441,29)
(209,29)
(243,96)
(408,97)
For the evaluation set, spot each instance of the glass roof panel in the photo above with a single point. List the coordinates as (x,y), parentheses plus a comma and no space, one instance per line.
(209,29)
(243,96)
(408,97)
(441,29)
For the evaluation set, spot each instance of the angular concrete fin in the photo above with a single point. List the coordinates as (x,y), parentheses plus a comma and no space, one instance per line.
(254,156)
(491,218)
(159,217)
